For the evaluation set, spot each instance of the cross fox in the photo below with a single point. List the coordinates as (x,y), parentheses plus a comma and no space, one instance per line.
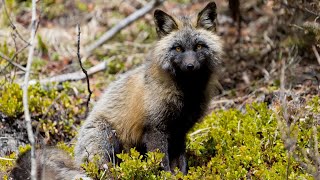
(149,108)
(154,106)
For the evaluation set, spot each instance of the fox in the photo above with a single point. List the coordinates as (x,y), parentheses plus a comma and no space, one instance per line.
(154,106)
(52,164)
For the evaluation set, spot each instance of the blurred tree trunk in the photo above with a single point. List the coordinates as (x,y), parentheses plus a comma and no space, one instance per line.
(234,6)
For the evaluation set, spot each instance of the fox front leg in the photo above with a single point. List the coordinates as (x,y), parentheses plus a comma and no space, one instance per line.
(155,139)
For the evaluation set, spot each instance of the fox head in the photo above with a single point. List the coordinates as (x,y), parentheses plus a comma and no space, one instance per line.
(187,44)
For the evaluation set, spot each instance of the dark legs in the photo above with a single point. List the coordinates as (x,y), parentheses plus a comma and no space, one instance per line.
(155,139)
(174,150)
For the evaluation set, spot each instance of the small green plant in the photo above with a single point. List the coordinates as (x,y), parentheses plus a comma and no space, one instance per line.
(54,112)
(235,145)
(136,166)
(11,100)
(133,166)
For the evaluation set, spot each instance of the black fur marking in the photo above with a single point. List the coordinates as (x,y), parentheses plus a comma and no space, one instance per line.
(188,40)
(193,86)
(164,23)
(207,17)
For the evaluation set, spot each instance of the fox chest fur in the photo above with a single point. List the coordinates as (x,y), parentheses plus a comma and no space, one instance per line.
(183,101)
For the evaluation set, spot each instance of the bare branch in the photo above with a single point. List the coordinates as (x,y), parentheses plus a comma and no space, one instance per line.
(84,71)
(122,24)
(25,92)
(12,62)
(7,159)
(75,76)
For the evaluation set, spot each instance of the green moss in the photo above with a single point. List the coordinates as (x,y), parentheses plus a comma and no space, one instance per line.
(11,100)
(7,162)
(133,166)
(53,111)
(234,145)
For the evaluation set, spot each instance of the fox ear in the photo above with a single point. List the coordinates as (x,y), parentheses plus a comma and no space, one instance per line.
(207,17)
(164,23)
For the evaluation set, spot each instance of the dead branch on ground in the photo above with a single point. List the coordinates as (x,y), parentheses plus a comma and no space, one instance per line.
(122,24)
(75,76)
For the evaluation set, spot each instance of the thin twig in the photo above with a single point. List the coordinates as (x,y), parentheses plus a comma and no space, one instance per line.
(122,24)
(25,93)
(7,159)
(12,62)
(83,70)
(199,130)
(282,92)
(11,23)
(75,76)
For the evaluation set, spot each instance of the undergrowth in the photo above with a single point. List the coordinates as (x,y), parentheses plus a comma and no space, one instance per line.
(54,112)
(227,144)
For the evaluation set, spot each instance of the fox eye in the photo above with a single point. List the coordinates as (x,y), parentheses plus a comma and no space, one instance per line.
(178,49)
(199,46)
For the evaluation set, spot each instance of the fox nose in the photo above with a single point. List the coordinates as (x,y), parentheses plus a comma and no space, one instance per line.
(190,67)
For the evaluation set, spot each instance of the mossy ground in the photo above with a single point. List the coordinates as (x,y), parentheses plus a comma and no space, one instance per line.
(227,144)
